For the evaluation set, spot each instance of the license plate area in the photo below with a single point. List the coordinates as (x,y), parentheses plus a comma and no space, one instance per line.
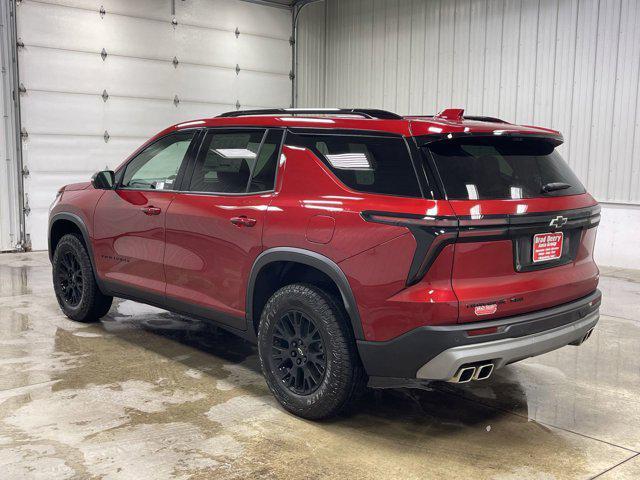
(547,246)
(523,259)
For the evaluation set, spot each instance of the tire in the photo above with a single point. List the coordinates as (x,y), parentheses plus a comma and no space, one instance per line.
(74,282)
(305,312)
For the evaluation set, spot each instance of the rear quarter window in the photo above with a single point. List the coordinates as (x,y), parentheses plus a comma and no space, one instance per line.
(502,168)
(370,164)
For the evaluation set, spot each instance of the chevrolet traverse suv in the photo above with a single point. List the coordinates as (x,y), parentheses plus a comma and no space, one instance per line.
(353,246)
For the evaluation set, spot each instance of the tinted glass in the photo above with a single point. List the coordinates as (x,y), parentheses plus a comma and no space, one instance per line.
(367,164)
(227,162)
(503,168)
(156,167)
(264,173)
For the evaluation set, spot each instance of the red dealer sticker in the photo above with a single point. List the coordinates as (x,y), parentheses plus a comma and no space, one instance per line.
(547,246)
(486,309)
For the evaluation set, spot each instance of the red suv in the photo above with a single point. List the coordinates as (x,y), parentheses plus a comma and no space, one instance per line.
(352,246)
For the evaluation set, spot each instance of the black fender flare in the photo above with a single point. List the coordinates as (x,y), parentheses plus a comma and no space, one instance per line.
(315,260)
(78,222)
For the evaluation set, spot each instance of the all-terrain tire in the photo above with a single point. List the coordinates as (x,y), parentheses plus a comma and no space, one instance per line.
(343,378)
(74,282)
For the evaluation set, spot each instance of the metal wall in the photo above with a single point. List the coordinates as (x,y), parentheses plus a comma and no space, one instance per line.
(102,76)
(571,65)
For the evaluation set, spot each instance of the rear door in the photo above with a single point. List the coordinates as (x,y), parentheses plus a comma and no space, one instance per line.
(129,221)
(214,226)
(527,226)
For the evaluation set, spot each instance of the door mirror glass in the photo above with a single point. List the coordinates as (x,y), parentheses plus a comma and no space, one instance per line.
(103,180)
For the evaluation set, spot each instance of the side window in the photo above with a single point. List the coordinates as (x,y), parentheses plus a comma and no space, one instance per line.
(156,167)
(264,173)
(237,162)
(366,164)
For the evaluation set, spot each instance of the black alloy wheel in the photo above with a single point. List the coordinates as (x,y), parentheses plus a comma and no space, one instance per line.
(74,282)
(69,274)
(308,353)
(297,353)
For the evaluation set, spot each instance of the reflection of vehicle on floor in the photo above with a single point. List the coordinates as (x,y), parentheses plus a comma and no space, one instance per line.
(348,244)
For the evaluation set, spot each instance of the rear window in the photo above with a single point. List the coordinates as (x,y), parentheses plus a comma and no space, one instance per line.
(502,168)
(367,164)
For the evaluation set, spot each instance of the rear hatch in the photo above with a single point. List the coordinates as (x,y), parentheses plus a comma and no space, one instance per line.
(527,225)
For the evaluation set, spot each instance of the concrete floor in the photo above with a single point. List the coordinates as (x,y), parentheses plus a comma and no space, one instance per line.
(146,394)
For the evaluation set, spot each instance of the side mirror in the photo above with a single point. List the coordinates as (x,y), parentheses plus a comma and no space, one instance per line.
(103,180)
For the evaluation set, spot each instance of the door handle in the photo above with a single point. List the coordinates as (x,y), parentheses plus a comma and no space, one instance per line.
(151,210)
(243,221)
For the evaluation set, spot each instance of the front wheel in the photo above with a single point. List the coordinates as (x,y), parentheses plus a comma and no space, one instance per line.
(74,283)
(307,352)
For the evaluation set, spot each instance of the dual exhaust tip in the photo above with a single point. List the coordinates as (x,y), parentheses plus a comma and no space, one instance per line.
(586,336)
(472,372)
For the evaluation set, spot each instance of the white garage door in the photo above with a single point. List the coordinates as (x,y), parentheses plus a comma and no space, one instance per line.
(100,77)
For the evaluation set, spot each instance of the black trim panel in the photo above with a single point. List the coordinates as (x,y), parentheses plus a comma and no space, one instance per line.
(432,234)
(236,325)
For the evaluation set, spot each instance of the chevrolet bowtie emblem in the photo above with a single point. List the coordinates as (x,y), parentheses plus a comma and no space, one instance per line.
(558,222)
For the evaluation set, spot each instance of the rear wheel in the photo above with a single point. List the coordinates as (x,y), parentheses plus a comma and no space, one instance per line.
(307,352)
(74,283)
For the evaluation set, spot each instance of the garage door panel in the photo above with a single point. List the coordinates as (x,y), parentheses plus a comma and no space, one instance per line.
(194,110)
(62,113)
(229,14)
(62,155)
(264,54)
(138,37)
(57,70)
(156,9)
(205,84)
(138,117)
(206,47)
(60,70)
(36,225)
(60,27)
(75,29)
(264,89)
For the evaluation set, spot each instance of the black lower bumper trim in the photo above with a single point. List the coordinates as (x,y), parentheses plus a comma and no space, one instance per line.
(401,357)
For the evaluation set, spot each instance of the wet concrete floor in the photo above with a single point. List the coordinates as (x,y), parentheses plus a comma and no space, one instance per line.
(150,395)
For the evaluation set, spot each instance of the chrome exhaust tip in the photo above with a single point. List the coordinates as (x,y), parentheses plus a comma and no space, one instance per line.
(588,335)
(463,375)
(483,371)
(584,338)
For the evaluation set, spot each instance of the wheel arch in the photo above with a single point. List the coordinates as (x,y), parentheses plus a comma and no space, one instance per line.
(298,256)
(59,226)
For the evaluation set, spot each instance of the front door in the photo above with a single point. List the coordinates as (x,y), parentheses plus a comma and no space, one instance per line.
(214,227)
(129,221)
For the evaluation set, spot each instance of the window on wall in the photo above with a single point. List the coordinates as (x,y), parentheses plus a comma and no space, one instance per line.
(365,163)
(156,167)
(237,161)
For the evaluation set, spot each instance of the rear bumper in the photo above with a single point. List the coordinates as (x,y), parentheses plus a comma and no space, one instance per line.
(436,353)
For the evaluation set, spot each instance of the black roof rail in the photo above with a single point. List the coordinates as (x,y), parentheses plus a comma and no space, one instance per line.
(363,112)
(485,119)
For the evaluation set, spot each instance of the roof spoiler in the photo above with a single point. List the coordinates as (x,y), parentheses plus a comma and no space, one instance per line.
(454,114)
(457,115)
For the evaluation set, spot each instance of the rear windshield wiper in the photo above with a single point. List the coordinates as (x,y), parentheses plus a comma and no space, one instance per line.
(553,186)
